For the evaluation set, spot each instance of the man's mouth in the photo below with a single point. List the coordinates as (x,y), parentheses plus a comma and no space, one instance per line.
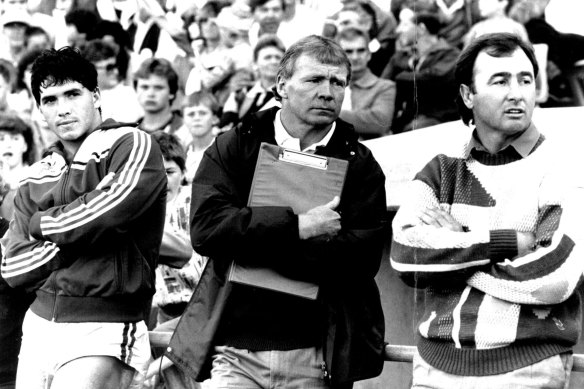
(515,111)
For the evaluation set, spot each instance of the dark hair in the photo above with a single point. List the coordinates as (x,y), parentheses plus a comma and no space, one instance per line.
(202,97)
(24,62)
(97,50)
(160,67)
(496,45)
(7,71)
(267,40)
(323,50)
(122,38)
(171,148)
(36,30)
(57,67)
(13,124)
(84,21)
(253,4)
(430,21)
(352,33)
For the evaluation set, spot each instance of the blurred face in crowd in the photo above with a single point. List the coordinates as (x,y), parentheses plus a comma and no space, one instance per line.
(209,29)
(38,42)
(313,95)
(70,110)
(12,148)
(15,34)
(199,119)
(503,96)
(174,177)
(269,16)
(14,4)
(268,61)
(358,53)
(4,91)
(74,37)
(353,18)
(153,93)
(107,73)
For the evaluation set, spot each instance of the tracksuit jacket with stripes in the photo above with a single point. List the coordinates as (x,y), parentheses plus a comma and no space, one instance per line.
(86,233)
(485,309)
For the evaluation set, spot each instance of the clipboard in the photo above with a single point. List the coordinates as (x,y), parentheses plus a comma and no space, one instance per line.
(302,181)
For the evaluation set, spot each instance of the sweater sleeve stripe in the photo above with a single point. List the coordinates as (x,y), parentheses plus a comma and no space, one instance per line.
(413,259)
(118,192)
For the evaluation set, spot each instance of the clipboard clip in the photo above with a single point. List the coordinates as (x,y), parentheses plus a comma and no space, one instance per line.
(304,159)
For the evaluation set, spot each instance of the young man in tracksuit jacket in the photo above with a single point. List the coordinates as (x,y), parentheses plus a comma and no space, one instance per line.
(87,229)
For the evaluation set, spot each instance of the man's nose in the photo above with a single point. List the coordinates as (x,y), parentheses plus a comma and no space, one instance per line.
(325,90)
(515,91)
(63,108)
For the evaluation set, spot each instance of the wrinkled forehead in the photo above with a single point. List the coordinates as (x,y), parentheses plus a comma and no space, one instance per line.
(516,62)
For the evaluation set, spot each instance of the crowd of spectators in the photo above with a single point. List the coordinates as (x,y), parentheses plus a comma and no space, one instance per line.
(194,69)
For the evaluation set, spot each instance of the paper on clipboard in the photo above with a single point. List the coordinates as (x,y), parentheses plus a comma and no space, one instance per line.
(300,180)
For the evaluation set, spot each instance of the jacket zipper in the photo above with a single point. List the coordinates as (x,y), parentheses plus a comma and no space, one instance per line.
(54,287)
(64,185)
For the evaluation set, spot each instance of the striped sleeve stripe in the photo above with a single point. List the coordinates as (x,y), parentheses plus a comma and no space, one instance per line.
(107,200)
(43,179)
(26,262)
(436,268)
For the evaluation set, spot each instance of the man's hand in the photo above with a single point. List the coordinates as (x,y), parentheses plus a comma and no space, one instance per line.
(321,220)
(440,219)
(525,242)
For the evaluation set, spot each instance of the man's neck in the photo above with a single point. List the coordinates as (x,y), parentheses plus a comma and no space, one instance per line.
(307,134)
(496,141)
(201,143)
(153,121)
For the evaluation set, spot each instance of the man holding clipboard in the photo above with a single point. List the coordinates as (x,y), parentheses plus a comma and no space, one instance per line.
(248,336)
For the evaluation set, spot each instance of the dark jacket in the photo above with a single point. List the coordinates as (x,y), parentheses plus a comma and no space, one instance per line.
(223,228)
(96,225)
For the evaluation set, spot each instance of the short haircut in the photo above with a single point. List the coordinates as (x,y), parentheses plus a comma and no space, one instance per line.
(14,125)
(159,67)
(57,67)
(171,148)
(97,50)
(204,98)
(36,30)
(323,50)
(496,45)
(268,40)
(84,21)
(351,34)
(114,29)
(253,4)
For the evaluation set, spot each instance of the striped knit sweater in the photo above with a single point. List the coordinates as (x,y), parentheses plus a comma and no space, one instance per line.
(487,310)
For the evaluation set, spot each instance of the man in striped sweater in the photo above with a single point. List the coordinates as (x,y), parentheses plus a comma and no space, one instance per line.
(88,222)
(493,236)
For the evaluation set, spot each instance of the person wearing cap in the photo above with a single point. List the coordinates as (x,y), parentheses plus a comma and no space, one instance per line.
(14,24)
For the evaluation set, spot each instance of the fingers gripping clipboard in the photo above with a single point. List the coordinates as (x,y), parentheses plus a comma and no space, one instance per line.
(301,181)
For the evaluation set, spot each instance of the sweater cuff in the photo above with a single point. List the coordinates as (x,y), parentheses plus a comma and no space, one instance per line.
(503,244)
(34,226)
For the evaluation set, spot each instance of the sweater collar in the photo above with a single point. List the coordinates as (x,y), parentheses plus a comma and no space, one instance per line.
(523,145)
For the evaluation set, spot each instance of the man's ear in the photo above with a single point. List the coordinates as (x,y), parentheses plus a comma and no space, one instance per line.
(281,87)
(467,95)
(97,98)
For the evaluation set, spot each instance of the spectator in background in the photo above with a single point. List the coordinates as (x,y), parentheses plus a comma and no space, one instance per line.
(179,268)
(241,103)
(424,76)
(37,39)
(80,26)
(118,100)
(299,20)
(212,62)
(7,75)
(14,303)
(156,85)
(201,115)
(114,34)
(17,153)
(267,14)
(494,19)
(369,101)
(13,43)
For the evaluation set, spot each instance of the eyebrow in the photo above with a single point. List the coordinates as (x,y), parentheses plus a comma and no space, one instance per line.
(509,75)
